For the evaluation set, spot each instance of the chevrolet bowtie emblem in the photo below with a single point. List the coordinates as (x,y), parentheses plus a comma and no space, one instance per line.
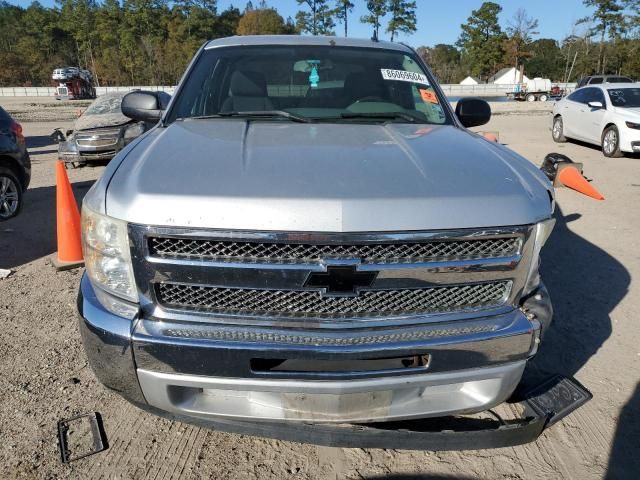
(340,280)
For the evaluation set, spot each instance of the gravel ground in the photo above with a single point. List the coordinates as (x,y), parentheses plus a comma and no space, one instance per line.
(591,266)
(43,109)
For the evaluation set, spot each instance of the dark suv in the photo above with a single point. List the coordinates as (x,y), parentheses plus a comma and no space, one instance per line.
(15,166)
(598,79)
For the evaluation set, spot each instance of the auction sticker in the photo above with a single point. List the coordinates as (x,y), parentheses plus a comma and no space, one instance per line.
(428,96)
(404,76)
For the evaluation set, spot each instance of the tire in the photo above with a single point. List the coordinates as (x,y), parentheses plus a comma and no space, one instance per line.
(611,142)
(530,97)
(10,194)
(557,130)
(543,98)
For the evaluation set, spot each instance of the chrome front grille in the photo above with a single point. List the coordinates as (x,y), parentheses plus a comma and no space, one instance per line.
(301,303)
(97,138)
(369,253)
(317,280)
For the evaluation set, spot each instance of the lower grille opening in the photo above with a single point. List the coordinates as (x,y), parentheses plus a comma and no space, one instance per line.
(408,364)
(309,303)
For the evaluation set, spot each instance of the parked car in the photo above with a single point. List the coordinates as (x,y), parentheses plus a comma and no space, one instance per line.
(15,166)
(310,237)
(607,115)
(598,79)
(101,131)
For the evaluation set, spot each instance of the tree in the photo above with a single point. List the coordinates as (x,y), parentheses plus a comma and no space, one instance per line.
(609,20)
(545,60)
(261,21)
(108,20)
(403,17)
(78,18)
(520,31)
(481,40)
(318,20)
(343,8)
(377,9)
(227,22)
(444,60)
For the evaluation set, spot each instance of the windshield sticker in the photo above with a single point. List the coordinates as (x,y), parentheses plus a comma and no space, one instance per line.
(428,96)
(404,76)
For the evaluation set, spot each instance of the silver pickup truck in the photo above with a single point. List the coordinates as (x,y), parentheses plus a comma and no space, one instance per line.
(311,238)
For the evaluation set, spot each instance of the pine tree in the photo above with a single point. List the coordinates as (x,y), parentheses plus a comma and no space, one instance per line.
(482,40)
(377,10)
(318,20)
(403,17)
(343,8)
(609,20)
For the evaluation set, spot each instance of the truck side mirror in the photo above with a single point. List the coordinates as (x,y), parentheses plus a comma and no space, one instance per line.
(142,106)
(473,112)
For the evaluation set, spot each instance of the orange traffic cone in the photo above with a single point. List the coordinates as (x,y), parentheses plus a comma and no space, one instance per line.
(69,253)
(571,177)
(491,136)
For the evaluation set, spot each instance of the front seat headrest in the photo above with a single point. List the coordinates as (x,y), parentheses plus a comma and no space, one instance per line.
(248,84)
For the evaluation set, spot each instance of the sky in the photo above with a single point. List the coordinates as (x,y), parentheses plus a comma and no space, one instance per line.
(438,21)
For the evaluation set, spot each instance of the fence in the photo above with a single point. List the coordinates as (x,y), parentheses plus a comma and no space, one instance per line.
(50,91)
(490,89)
(451,90)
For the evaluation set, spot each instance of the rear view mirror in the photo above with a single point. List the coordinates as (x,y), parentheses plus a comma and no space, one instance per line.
(142,106)
(473,112)
(595,104)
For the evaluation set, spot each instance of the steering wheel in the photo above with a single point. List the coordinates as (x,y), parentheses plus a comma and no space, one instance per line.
(371,98)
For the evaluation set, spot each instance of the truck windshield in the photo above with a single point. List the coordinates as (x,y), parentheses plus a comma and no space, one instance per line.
(625,97)
(309,83)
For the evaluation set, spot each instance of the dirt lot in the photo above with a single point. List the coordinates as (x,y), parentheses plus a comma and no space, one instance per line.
(591,266)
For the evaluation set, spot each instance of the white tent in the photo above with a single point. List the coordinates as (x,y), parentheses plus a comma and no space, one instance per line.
(507,76)
(470,81)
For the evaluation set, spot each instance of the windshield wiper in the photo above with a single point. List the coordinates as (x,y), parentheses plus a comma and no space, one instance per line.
(383,116)
(258,113)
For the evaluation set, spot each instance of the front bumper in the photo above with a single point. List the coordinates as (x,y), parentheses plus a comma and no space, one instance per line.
(629,139)
(204,372)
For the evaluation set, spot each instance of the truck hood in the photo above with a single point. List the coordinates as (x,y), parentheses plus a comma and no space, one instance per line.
(271,175)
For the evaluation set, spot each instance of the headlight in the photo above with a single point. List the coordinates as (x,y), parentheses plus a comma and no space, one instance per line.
(541,233)
(635,126)
(105,244)
(133,131)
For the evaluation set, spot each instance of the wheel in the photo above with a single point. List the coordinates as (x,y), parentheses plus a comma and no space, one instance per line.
(557,131)
(530,97)
(543,98)
(611,142)
(10,194)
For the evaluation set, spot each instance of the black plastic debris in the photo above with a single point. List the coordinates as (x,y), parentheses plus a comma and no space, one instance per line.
(81,436)
(557,397)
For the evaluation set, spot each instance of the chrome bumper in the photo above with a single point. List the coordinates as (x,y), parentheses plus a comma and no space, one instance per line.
(343,401)
(191,372)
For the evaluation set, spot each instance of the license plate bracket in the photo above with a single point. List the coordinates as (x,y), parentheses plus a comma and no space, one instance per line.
(81,436)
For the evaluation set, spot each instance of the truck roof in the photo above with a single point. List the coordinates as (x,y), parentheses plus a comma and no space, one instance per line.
(253,40)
